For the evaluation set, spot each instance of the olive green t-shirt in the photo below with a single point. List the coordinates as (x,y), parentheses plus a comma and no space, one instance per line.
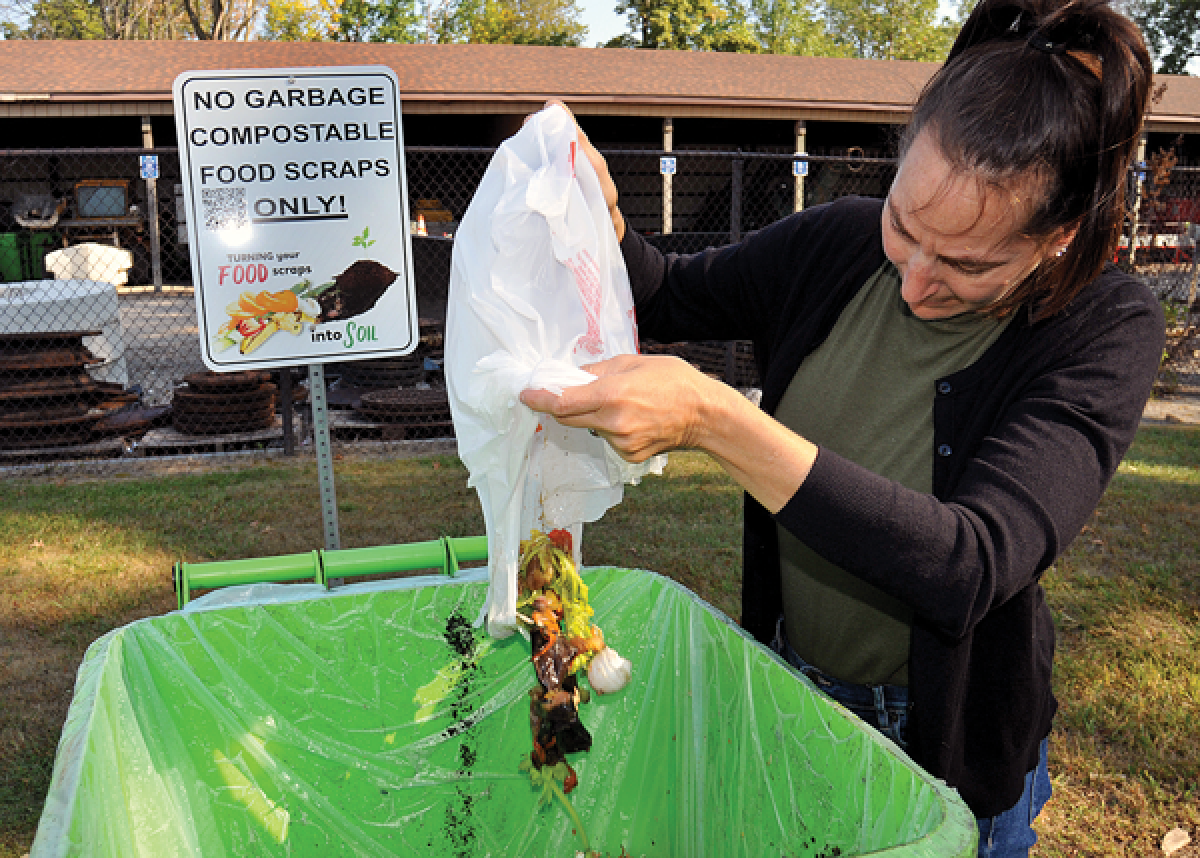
(867,394)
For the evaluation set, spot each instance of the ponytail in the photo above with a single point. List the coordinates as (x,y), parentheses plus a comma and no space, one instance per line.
(1057,92)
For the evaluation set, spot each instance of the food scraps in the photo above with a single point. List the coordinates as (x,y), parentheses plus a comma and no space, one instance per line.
(553,606)
(609,671)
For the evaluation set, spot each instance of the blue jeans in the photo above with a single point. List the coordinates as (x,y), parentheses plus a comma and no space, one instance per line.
(1011,833)
(885,707)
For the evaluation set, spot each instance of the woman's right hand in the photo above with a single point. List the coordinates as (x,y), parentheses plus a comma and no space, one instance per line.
(607,185)
(648,404)
(641,404)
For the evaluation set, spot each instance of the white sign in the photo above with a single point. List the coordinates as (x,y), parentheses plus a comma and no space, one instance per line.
(799,168)
(666,166)
(296,204)
(149,166)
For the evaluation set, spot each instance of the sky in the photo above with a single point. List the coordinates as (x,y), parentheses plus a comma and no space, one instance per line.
(602,22)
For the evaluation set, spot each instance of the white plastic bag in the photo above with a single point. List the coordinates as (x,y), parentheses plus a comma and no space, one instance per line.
(537,289)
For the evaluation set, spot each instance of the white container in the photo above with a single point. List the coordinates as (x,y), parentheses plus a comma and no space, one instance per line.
(51,306)
(91,261)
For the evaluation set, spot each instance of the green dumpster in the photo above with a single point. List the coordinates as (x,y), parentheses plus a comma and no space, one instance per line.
(274,719)
(12,266)
(40,243)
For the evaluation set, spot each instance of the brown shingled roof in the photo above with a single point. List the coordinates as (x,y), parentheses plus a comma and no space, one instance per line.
(593,79)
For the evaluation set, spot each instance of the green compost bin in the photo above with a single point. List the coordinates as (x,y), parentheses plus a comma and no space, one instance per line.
(23,255)
(12,260)
(363,722)
(40,243)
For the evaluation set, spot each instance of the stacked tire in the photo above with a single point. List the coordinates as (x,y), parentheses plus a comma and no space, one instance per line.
(47,399)
(410,414)
(211,403)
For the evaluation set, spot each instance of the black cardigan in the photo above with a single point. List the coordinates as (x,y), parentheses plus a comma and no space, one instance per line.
(1025,441)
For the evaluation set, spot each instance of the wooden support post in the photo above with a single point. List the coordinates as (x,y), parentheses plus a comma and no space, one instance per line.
(735,203)
(1135,212)
(152,211)
(801,149)
(668,183)
(1193,231)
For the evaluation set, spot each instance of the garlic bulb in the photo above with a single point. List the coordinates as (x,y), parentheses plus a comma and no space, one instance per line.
(309,307)
(608,671)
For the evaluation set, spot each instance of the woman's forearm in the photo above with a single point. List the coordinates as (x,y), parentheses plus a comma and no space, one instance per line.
(645,405)
(618,223)
(762,455)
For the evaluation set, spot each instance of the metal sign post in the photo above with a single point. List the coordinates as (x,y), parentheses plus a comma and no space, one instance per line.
(320,410)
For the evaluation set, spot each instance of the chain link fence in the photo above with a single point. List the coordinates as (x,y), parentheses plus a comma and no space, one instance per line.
(99,351)
(1164,234)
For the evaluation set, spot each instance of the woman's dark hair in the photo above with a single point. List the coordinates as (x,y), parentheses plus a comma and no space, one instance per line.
(1055,91)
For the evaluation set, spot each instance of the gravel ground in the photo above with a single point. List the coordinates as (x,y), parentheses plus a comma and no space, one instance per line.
(161,341)
(1177,395)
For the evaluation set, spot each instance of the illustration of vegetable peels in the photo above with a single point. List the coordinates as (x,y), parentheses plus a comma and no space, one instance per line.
(355,291)
(255,318)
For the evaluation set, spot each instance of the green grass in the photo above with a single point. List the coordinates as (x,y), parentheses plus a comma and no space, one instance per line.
(79,559)
(1125,755)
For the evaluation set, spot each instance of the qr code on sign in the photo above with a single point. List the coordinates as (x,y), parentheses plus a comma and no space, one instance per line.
(224,208)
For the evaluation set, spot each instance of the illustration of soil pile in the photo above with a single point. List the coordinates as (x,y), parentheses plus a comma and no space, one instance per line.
(355,290)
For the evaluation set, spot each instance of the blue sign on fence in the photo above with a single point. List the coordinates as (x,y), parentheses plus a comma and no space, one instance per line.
(149,166)
(799,167)
(666,166)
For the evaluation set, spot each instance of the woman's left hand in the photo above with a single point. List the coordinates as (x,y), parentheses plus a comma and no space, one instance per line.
(642,404)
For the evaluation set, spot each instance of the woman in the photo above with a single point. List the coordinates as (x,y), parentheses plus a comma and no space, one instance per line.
(950,378)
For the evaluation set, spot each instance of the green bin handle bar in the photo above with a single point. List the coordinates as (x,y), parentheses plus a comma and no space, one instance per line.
(254,570)
(464,549)
(344,562)
(319,566)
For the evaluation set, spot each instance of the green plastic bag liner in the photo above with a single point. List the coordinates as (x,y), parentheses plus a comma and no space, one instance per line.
(375,720)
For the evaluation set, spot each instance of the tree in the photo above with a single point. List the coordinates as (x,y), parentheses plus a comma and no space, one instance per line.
(299,21)
(792,27)
(871,29)
(97,19)
(344,21)
(141,19)
(508,22)
(56,19)
(681,25)
(1171,29)
(382,21)
(730,29)
(891,29)
(221,20)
